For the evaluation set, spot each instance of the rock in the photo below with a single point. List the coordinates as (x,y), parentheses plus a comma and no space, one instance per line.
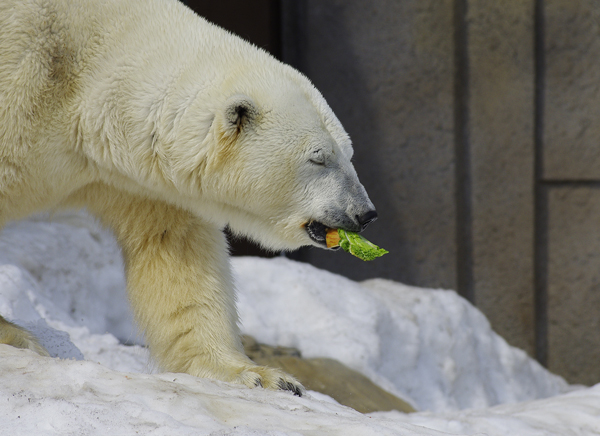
(328,376)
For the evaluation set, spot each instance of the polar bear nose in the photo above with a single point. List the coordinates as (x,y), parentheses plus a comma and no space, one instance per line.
(366,218)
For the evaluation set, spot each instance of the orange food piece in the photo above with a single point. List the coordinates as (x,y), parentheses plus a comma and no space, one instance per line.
(332,238)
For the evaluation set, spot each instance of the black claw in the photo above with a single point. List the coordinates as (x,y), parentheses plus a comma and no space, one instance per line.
(258,383)
(288,386)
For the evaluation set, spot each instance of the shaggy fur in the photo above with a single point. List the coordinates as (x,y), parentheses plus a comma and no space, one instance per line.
(168,128)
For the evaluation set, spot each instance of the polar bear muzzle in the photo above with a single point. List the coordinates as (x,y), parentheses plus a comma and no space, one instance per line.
(317,231)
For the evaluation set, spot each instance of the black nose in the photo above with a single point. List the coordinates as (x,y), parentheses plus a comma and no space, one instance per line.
(366,218)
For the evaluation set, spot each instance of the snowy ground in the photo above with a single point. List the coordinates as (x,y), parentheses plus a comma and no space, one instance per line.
(64,281)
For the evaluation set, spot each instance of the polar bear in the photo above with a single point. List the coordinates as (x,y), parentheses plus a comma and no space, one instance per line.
(168,129)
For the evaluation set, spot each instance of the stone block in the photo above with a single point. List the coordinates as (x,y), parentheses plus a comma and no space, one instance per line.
(386,68)
(574,283)
(572,90)
(502,155)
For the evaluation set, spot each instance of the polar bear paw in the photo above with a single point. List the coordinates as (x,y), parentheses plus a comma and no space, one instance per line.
(270,378)
(12,334)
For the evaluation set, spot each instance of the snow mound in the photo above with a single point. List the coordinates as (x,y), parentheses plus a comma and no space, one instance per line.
(44,396)
(64,280)
(428,346)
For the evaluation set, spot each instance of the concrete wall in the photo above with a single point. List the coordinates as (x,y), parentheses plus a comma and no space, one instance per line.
(500,122)
(390,80)
(475,132)
(571,186)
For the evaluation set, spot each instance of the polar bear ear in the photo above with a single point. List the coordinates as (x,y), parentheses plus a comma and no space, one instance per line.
(240,112)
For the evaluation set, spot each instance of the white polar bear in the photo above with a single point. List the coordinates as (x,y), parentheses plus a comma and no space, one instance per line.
(169,128)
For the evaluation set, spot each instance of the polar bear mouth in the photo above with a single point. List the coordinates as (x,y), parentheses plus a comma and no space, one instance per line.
(318,232)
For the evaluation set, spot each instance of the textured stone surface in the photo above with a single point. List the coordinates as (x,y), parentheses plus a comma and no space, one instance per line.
(386,69)
(501,140)
(572,92)
(574,283)
(571,154)
(328,376)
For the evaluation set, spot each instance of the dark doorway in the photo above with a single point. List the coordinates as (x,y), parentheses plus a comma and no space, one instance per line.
(257,21)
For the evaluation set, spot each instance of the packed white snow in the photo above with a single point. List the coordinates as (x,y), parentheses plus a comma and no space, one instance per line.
(62,277)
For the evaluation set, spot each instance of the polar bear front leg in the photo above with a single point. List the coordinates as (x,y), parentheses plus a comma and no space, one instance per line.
(181,290)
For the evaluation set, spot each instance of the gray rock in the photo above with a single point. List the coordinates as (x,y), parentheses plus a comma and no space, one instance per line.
(328,376)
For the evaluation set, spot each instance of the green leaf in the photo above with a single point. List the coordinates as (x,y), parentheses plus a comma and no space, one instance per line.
(358,246)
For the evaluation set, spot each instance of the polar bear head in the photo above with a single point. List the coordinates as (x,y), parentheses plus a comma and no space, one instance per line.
(278,162)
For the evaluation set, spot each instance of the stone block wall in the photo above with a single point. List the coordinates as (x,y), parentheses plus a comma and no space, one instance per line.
(570,180)
(476,134)
(390,80)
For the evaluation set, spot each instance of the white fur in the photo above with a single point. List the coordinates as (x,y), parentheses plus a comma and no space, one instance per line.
(132,109)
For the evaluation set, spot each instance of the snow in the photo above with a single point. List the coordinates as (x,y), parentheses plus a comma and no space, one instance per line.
(62,277)
(396,335)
